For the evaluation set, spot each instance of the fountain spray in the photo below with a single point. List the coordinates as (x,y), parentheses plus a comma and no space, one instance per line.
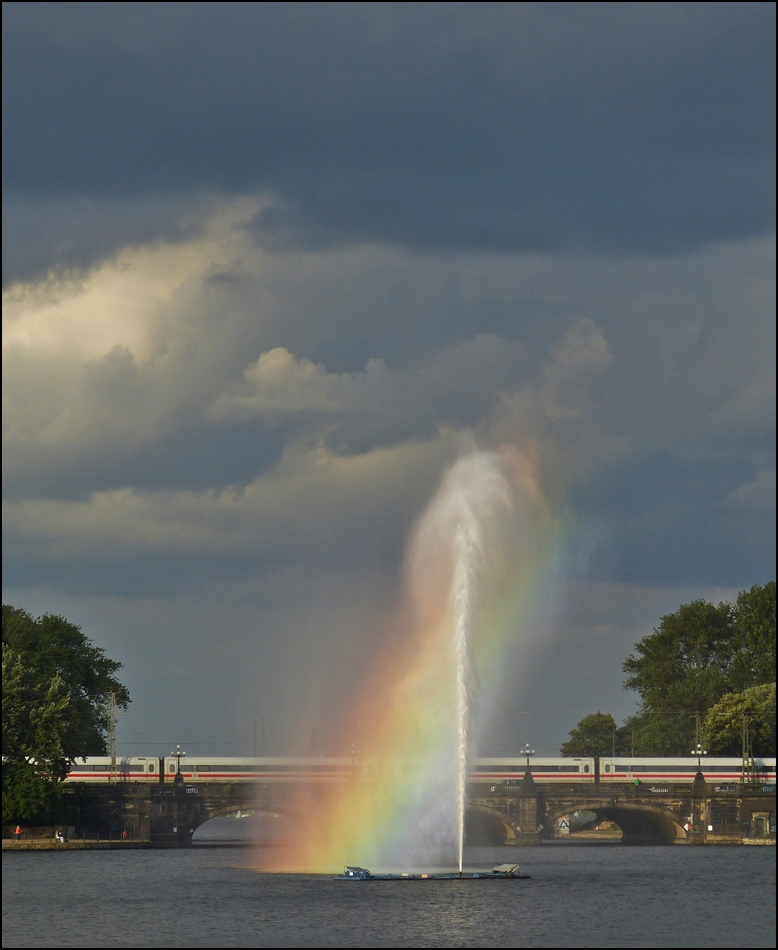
(465,549)
(472,492)
(475,565)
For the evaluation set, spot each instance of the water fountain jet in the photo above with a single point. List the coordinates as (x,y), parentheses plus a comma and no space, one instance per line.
(472,558)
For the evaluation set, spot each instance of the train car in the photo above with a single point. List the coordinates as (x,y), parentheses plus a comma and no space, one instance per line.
(717,771)
(97,769)
(484,771)
(544,771)
(230,769)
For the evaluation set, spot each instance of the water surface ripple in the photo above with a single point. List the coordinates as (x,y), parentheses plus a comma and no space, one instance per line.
(580,896)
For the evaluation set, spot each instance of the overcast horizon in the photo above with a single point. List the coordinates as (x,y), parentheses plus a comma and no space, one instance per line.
(270,269)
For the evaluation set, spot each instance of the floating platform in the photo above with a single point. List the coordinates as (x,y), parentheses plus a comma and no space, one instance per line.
(500,872)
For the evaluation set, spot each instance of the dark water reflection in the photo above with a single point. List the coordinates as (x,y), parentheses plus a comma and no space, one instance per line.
(579,896)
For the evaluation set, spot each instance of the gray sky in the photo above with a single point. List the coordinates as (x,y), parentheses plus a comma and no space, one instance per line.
(268,267)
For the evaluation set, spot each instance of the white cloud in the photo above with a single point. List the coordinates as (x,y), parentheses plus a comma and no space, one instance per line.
(314,504)
(575,365)
(456,385)
(347,354)
(214,329)
(279,386)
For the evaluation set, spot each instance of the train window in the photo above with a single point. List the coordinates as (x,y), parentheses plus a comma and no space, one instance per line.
(171,767)
(151,766)
(607,768)
(586,768)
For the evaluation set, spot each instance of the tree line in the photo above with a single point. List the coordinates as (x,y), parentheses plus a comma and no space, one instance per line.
(705,675)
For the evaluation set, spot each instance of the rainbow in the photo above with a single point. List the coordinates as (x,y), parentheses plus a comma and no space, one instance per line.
(400,809)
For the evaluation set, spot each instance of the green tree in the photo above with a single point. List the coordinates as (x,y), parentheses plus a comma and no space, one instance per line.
(56,684)
(680,670)
(693,659)
(36,711)
(30,796)
(595,734)
(754,642)
(723,732)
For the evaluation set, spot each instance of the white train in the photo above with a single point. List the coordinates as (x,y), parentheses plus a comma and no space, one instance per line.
(493,771)
(210,769)
(98,768)
(488,771)
(273,770)
(717,771)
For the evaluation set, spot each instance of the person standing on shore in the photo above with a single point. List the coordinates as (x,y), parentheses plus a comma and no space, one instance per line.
(18,833)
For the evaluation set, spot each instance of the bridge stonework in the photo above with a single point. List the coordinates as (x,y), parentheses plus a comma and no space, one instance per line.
(525,814)
(659,814)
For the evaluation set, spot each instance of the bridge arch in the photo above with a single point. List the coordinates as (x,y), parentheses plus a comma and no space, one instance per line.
(640,823)
(199,817)
(488,825)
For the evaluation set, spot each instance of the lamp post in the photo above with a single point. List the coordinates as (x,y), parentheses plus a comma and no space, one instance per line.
(699,752)
(699,783)
(179,754)
(527,752)
(353,753)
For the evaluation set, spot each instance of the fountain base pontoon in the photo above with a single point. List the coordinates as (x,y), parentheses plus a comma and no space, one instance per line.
(500,872)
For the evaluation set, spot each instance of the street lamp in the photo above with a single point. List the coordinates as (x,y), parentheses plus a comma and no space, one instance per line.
(527,752)
(178,756)
(353,753)
(699,752)
(699,779)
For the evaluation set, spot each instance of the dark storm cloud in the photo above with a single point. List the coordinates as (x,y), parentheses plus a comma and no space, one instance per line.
(71,234)
(667,517)
(275,265)
(511,126)
(192,457)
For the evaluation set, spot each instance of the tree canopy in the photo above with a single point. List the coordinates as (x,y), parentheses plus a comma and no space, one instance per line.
(695,659)
(754,641)
(56,685)
(596,734)
(740,718)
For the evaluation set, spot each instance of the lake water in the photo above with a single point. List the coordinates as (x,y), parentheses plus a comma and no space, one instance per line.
(579,896)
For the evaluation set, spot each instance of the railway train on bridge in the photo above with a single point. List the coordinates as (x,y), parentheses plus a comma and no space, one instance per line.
(485,771)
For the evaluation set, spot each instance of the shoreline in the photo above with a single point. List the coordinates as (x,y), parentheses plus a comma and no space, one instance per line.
(145,844)
(43,844)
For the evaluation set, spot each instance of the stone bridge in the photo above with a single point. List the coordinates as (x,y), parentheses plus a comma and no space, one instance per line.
(520,814)
(693,813)
(168,815)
